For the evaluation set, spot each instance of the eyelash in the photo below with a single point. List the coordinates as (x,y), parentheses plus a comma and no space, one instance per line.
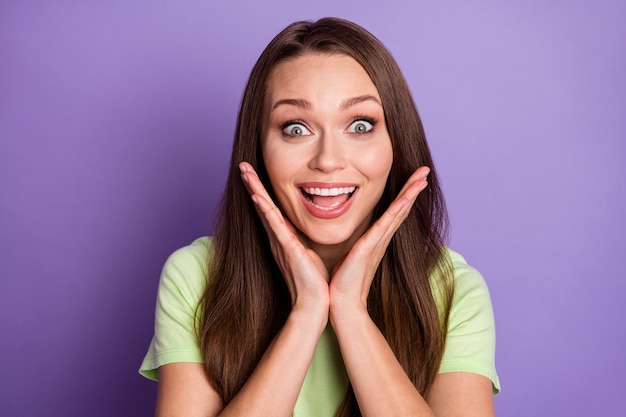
(288,123)
(367,119)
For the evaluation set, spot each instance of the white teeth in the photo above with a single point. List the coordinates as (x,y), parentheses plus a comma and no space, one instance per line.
(329,191)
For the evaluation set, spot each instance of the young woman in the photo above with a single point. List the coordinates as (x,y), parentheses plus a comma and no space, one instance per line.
(327,289)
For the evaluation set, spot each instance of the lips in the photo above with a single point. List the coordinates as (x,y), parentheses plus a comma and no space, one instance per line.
(327,201)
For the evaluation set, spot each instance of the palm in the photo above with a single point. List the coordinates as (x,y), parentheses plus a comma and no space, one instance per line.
(353,277)
(304,271)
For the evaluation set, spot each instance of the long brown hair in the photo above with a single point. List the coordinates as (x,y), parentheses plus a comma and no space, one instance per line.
(246,300)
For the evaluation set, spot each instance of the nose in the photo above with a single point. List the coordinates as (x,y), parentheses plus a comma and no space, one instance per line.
(329,154)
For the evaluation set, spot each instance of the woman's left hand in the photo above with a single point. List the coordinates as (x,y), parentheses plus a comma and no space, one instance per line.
(352,277)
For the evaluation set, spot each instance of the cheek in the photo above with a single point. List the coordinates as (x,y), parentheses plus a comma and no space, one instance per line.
(271,159)
(276,164)
(280,171)
(376,162)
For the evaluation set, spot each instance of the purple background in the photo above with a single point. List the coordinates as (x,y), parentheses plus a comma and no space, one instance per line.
(116,121)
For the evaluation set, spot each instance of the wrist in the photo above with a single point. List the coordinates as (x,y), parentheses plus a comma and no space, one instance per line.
(309,316)
(344,312)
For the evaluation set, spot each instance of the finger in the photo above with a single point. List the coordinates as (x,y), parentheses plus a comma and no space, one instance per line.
(398,210)
(420,174)
(278,227)
(255,186)
(252,181)
(269,212)
(380,233)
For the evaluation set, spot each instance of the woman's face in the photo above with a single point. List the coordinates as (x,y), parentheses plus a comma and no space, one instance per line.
(325,146)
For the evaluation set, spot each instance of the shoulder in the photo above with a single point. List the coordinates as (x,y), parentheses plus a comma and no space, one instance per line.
(181,286)
(470,341)
(184,272)
(191,257)
(468,282)
(471,303)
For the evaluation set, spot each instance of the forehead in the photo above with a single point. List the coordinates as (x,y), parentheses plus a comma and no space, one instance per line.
(313,73)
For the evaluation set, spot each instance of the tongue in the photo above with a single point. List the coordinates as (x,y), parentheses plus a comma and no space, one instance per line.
(329,201)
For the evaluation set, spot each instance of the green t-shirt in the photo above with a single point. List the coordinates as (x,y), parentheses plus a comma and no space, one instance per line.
(470,344)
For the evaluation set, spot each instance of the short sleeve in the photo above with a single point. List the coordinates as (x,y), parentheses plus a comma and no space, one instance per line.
(471,339)
(181,286)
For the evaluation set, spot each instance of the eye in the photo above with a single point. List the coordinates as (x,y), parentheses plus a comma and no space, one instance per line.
(361,126)
(295,129)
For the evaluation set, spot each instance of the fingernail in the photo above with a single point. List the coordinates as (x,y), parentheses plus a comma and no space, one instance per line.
(425,174)
(242,167)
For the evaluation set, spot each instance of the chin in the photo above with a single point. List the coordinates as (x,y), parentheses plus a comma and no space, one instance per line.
(329,236)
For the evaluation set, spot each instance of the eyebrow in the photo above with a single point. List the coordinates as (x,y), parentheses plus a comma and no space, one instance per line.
(292,102)
(346,104)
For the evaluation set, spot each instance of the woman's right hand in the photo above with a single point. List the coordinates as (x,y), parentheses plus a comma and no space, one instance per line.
(303,270)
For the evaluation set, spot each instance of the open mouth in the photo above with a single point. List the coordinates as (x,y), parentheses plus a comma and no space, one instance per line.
(328,198)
